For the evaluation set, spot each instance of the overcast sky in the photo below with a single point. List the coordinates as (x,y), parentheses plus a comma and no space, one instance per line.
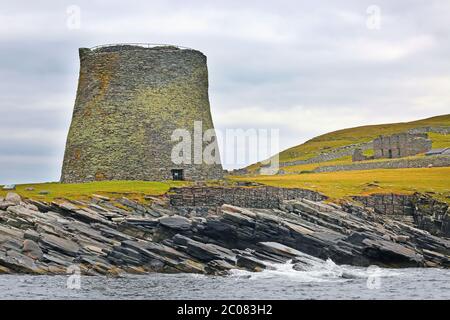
(305,67)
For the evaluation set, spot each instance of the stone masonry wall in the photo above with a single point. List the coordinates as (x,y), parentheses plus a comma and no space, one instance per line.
(332,155)
(399,206)
(441,130)
(253,197)
(419,210)
(129,101)
(431,215)
(435,161)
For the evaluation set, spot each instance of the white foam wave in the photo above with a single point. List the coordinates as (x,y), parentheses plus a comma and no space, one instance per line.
(317,272)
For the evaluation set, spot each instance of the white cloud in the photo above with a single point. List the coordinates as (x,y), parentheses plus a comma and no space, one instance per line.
(382,50)
(44,135)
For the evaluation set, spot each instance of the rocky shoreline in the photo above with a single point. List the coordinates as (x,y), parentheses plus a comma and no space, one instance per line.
(106,237)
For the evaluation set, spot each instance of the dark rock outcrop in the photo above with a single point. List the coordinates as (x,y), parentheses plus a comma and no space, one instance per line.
(43,238)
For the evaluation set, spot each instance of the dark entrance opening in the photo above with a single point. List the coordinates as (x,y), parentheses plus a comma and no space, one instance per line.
(177,174)
(390,153)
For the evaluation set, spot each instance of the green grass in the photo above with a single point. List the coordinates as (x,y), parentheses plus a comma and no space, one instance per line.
(78,191)
(439,140)
(342,184)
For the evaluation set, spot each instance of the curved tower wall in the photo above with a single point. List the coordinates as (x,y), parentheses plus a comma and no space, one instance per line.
(129,101)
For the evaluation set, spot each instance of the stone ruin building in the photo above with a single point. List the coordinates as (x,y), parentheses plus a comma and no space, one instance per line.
(129,101)
(396,146)
(401,145)
(358,155)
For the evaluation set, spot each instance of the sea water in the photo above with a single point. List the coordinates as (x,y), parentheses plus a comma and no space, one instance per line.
(324,281)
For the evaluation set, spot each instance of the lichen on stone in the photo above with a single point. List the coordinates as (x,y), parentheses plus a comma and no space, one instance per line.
(128,104)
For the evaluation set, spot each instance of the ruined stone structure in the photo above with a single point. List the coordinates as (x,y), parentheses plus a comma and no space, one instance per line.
(130,99)
(358,155)
(401,145)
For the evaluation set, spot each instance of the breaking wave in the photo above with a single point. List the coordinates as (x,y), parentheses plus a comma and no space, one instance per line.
(316,272)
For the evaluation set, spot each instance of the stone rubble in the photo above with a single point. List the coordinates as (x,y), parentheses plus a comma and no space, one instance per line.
(102,238)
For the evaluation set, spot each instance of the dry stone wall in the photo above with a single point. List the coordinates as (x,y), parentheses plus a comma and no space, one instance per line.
(434,161)
(249,197)
(441,130)
(432,215)
(423,211)
(332,155)
(396,205)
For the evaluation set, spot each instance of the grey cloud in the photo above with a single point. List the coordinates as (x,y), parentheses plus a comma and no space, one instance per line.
(289,58)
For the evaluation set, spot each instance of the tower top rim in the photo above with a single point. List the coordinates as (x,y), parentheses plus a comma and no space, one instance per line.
(140,45)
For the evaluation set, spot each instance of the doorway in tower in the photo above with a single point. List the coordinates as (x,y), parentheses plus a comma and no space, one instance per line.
(177,174)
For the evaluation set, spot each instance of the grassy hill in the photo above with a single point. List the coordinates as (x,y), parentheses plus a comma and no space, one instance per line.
(332,140)
(342,184)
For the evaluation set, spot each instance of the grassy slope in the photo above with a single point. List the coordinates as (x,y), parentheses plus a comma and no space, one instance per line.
(347,183)
(341,161)
(114,189)
(335,139)
(439,141)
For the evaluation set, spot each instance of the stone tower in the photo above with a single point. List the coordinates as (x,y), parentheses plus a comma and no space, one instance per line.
(129,101)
